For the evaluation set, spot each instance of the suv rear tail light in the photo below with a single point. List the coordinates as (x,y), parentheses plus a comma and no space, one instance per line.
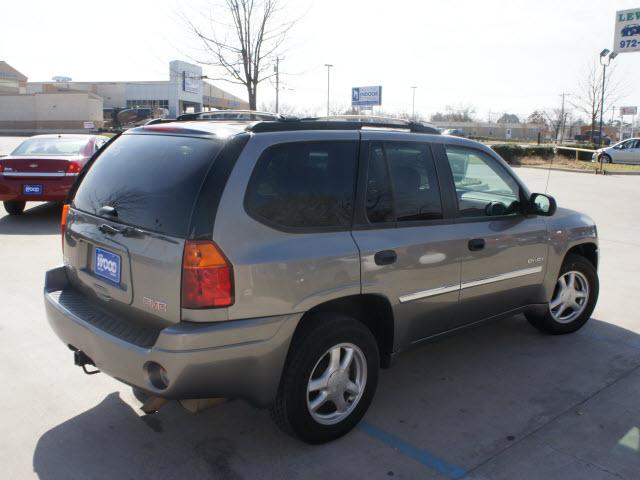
(63,221)
(73,167)
(207,276)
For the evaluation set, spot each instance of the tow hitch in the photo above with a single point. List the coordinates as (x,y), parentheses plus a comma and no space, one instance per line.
(81,359)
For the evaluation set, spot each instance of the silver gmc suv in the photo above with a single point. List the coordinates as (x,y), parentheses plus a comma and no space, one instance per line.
(285,262)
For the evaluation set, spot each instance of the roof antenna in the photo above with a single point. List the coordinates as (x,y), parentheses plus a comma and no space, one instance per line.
(546,186)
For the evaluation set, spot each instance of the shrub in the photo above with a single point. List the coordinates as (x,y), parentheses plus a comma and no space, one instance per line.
(511,153)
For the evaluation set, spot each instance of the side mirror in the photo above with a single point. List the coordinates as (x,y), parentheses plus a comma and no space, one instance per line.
(541,204)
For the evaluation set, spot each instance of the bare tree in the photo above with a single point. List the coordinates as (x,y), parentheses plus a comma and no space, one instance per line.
(240,38)
(555,118)
(508,118)
(457,113)
(588,99)
(537,117)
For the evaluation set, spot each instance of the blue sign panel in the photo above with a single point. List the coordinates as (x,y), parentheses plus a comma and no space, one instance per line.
(366,96)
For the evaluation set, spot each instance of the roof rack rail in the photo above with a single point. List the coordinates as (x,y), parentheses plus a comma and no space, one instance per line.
(230,115)
(343,122)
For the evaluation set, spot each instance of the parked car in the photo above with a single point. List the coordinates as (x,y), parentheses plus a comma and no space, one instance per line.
(285,262)
(593,136)
(43,168)
(631,30)
(456,132)
(627,151)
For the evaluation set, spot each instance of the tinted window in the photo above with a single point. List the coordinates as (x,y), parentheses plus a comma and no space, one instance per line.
(483,187)
(151,180)
(414,180)
(379,200)
(304,185)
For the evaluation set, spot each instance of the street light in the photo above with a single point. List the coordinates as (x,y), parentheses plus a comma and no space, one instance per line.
(604,61)
(328,65)
(413,104)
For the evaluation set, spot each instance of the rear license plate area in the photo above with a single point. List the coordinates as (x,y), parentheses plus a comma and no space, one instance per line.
(32,189)
(107,265)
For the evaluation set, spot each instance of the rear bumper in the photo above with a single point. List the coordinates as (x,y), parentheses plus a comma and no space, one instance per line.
(234,359)
(53,190)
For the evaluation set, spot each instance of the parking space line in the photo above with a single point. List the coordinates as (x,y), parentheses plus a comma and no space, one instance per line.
(413,452)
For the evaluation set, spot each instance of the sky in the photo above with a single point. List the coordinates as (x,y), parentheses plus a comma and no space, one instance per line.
(497,56)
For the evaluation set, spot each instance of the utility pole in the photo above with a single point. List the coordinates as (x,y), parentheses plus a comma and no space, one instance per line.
(277,69)
(562,118)
(328,65)
(413,104)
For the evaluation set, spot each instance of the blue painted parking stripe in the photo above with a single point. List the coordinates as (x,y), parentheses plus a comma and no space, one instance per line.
(415,453)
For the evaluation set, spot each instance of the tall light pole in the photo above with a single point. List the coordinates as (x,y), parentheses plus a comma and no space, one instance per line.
(563,117)
(413,103)
(277,70)
(604,61)
(328,65)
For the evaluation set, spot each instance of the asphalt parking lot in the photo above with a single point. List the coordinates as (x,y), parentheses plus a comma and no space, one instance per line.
(499,401)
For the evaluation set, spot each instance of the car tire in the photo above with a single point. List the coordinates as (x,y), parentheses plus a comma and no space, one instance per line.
(606,158)
(329,379)
(14,208)
(573,300)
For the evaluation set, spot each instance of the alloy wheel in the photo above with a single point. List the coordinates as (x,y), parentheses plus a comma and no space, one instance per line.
(336,383)
(570,297)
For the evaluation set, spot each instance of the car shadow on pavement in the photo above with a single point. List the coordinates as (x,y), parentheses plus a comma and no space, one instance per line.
(465,399)
(43,219)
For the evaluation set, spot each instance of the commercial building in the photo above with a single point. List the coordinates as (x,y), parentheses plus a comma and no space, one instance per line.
(11,80)
(49,112)
(65,106)
(498,131)
(186,91)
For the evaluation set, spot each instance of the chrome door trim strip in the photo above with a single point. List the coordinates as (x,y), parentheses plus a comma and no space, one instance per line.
(503,276)
(475,283)
(429,293)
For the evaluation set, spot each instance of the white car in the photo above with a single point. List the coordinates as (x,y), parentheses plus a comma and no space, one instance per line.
(627,151)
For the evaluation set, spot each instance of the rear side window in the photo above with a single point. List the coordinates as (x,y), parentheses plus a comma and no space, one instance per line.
(416,194)
(304,185)
(151,180)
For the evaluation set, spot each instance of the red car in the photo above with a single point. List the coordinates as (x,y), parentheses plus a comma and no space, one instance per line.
(43,168)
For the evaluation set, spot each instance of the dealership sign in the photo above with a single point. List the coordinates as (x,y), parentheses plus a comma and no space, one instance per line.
(628,110)
(627,31)
(366,96)
(190,83)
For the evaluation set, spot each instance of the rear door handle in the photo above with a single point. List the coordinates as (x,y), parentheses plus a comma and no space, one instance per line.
(476,244)
(385,257)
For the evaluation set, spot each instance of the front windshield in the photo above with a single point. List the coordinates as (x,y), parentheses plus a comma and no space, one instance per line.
(51,146)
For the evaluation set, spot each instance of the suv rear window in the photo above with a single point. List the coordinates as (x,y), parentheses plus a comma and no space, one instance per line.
(304,185)
(151,180)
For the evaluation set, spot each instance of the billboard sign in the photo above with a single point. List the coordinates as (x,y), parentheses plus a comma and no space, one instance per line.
(366,96)
(628,110)
(627,31)
(190,83)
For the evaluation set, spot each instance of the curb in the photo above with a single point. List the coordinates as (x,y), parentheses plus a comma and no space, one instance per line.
(571,170)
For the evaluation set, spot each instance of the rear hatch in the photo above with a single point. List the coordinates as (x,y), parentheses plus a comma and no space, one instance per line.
(128,221)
